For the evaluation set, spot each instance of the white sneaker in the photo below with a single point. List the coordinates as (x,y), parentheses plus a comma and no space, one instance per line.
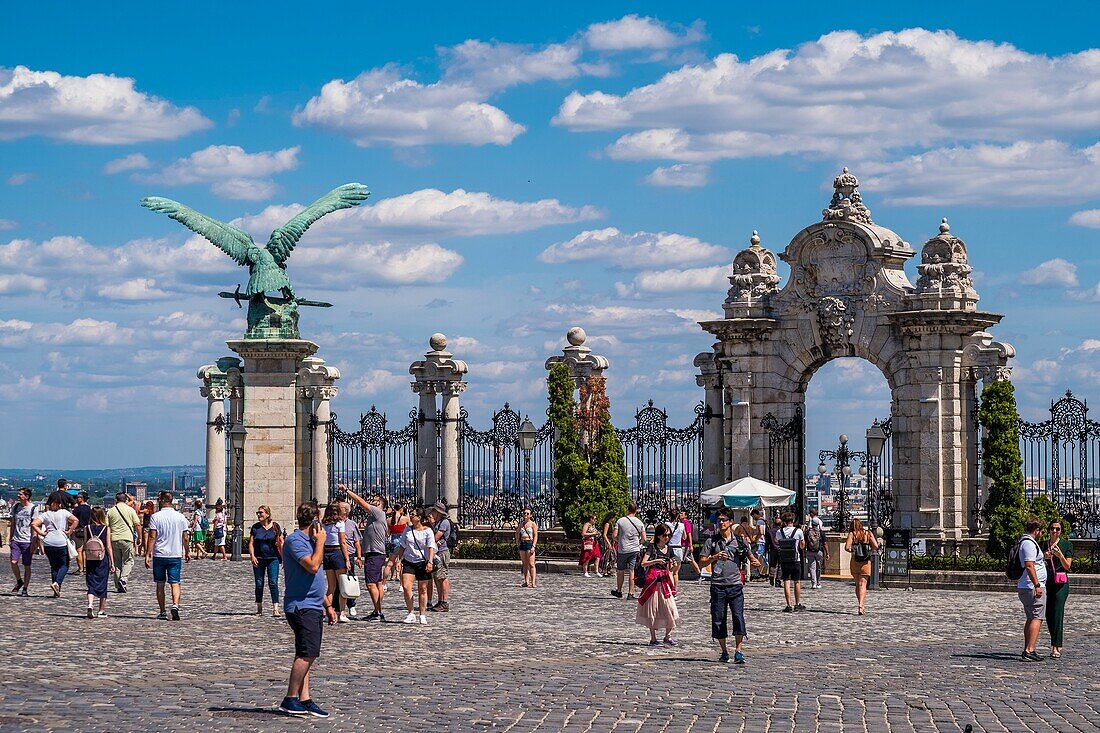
(587,575)
(423,620)
(352,612)
(410,619)
(343,619)
(102,614)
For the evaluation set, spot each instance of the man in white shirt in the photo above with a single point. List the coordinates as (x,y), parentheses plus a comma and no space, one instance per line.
(166,549)
(23,513)
(791,544)
(1030,586)
(629,536)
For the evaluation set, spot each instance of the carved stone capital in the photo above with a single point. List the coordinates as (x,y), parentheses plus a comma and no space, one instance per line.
(438,365)
(578,358)
(215,393)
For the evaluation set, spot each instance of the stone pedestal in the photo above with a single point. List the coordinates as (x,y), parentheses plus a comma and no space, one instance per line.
(272,454)
(438,373)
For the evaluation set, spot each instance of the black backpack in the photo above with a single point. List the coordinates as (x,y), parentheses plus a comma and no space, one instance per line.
(1015,569)
(813,539)
(788,547)
(648,552)
(451,536)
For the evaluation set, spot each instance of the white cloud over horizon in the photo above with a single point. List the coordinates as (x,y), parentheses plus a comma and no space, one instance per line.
(632,250)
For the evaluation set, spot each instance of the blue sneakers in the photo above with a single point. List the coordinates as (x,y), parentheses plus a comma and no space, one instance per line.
(314,709)
(291,706)
(738,658)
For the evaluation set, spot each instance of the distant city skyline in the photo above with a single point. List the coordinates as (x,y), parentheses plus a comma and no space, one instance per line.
(575,164)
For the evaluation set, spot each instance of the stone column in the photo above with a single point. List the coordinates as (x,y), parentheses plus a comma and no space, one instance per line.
(448,449)
(216,391)
(439,373)
(710,379)
(316,389)
(271,450)
(319,475)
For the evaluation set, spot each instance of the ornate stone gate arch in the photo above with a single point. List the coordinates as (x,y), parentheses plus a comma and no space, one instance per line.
(848,295)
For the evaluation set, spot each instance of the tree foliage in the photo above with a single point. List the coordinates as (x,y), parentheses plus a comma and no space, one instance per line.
(590,473)
(1005,507)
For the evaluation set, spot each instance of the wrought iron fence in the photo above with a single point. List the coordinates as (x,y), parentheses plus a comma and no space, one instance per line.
(664,464)
(1061,459)
(499,478)
(374,459)
(786,454)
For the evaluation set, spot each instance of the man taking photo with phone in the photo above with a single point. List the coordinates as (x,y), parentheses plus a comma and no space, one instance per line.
(305,606)
(724,551)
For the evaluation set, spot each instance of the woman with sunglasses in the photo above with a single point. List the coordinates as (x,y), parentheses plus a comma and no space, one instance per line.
(1059,557)
(265,547)
(527,537)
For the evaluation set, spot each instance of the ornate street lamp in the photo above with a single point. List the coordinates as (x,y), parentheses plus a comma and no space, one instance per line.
(842,514)
(237,435)
(525,441)
(881,499)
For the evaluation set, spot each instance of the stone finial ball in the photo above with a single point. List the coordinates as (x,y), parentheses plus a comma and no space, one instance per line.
(438,341)
(576,336)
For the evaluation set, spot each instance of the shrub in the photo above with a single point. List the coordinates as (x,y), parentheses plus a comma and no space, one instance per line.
(1001,464)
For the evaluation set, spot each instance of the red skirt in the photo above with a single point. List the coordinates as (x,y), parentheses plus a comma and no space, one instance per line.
(592,553)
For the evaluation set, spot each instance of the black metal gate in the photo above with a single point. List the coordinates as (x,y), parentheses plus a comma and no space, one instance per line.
(880,480)
(499,478)
(374,459)
(786,455)
(1061,458)
(664,464)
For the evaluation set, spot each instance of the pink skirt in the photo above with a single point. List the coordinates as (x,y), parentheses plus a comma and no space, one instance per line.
(658,612)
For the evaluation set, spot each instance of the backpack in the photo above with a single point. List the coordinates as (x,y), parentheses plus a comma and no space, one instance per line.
(649,553)
(1015,568)
(204,522)
(788,547)
(813,539)
(451,535)
(94,549)
(861,551)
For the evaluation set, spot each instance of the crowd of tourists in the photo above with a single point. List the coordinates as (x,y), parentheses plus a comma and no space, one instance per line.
(318,563)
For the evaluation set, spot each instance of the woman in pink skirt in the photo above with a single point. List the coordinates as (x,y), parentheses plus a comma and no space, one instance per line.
(590,546)
(657,602)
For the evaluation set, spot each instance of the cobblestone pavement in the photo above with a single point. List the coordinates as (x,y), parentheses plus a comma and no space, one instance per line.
(566,656)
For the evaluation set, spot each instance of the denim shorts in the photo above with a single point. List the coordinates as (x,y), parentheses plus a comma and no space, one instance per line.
(167,569)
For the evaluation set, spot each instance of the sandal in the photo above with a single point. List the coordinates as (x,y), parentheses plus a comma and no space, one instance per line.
(1054,654)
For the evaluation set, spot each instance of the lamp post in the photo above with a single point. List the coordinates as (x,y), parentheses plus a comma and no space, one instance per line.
(842,514)
(880,500)
(237,434)
(525,441)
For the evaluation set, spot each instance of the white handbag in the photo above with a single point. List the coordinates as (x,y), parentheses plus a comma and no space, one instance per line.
(72,550)
(349,585)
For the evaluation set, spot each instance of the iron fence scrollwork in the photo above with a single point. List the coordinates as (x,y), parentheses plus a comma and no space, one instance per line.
(786,455)
(664,463)
(373,459)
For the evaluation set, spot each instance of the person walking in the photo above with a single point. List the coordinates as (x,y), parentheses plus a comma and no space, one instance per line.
(97,560)
(55,528)
(817,549)
(792,543)
(444,534)
(220,525)
(148,509)
(590,546)
(417,550)
(125,527)
(771,546)
(166,550)
(306,606)
(1031,586)
(1059,557)
(265,547)
(687,543)
(861,543)
(83,513)
(629,536)
(21,540)
(199,523)
(608,547)
(527,537)
(723,552)
(657,601)
(760,545)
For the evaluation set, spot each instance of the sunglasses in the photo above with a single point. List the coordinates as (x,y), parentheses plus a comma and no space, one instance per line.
(1055,529)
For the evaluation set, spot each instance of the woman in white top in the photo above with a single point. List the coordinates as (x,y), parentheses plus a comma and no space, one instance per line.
(55,527)
(335,560)
(416,549)
(219,525)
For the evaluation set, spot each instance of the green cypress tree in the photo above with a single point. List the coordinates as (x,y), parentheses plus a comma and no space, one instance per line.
(570,468)
(1001,464)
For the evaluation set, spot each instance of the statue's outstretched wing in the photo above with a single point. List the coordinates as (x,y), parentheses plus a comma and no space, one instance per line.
(284,238)
(229,239)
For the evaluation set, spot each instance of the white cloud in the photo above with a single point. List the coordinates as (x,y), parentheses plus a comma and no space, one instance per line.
(489,67)
(629,323)
(1089,218)
(374,264)
(1055,272)
(18,179)
(234,173)
(1020,174)
(82,331)
(380,107)
(682,175)
(141,288)
(1091,295)
(185,321)
(376,382)
(428,212)
(93,401)
(847,94)
(693,280)
(6,224)
(98,109)
(637,250)
(132,162)
(19,283)
(634,33)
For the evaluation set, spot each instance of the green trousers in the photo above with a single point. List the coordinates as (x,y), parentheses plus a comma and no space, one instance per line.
(1056,611)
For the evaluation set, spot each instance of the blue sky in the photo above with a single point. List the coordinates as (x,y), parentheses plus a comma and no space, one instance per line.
(531,169)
